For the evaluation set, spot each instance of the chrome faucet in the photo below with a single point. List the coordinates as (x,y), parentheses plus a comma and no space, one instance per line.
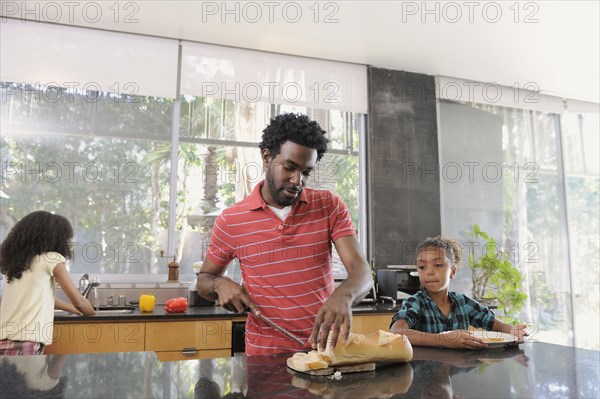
(85,286)
(84,282)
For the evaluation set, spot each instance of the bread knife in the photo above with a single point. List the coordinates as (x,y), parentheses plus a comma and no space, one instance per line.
(277,326)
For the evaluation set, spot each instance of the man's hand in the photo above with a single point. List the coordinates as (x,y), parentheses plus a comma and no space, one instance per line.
(232,296)
(213,286)
(335,315)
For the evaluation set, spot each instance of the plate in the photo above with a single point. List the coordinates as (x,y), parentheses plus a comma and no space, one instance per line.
(495,339)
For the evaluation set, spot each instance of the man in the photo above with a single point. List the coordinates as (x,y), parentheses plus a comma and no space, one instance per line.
(282,235)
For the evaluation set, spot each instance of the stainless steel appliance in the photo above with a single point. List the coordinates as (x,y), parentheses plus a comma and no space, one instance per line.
(390,281)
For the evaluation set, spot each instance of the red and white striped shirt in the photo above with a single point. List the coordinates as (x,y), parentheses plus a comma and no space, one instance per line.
(286,265)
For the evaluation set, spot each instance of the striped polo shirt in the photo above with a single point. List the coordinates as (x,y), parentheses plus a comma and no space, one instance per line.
(286,265)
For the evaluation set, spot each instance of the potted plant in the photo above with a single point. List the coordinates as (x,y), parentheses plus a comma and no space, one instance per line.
(494,276)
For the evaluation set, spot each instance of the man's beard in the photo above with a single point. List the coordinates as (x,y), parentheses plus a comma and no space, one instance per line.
(277,195)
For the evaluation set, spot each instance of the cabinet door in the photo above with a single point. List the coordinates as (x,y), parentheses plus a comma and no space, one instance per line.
(366,324)
(96,337)
(188,335)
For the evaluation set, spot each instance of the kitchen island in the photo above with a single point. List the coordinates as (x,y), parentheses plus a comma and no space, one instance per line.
(533,370)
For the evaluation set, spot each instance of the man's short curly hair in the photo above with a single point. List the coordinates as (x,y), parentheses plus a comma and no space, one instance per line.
(297,128)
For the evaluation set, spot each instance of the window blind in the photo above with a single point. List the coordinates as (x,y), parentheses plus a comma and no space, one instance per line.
(66,56)
(255,76)
(524,96)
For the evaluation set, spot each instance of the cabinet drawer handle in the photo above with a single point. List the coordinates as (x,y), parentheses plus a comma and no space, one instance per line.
(189,351)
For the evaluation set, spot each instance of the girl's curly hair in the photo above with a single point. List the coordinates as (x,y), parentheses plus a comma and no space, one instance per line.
(451,248)
(297,128)
(35,234)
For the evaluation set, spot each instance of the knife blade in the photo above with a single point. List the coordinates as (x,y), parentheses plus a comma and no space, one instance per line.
(277,326)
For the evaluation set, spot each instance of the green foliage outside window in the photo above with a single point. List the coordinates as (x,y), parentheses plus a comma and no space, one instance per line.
(495,277)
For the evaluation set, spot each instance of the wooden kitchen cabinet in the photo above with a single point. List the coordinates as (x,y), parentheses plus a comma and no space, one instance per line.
(184,340)
(171,340)
(71,338)
(368,323)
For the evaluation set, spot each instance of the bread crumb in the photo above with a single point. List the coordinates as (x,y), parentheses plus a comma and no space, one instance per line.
(336,376)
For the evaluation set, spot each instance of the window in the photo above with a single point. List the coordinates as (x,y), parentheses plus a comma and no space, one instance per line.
(130,182)
(87,156)
(103,161)
(547,200)
(220,164)
(580,146)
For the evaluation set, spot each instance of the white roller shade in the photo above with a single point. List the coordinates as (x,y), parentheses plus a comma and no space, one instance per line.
(254,76)
(524,96)
(582,107)
(66,56)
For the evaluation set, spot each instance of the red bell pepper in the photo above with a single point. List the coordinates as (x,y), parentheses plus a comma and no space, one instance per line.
(176,305)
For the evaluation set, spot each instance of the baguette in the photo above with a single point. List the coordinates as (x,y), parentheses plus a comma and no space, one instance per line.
(381,346)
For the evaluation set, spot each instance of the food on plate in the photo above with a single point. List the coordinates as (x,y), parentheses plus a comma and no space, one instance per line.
(381,346)
(308,361)
(493,339)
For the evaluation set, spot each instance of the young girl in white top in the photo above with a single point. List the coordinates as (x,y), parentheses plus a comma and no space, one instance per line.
(32,258)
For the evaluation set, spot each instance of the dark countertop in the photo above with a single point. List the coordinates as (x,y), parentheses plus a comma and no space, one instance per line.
(534,370)
(194,313)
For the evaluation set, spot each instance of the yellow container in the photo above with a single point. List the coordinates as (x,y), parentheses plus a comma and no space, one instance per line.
(147,302)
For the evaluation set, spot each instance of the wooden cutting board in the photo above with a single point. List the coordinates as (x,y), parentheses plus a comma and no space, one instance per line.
(351,368)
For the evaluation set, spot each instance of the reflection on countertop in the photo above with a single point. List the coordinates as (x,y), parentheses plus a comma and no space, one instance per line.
(108,375)
(535,370)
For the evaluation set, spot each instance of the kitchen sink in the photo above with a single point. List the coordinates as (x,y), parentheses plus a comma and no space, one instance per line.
(105,311)
(110,312)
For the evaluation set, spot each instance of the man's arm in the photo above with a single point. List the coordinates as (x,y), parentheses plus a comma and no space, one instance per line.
(336,312)
(213,286)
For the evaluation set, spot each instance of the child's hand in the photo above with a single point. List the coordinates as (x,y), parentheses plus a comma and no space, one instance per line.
(519,332)
(461,339)
(74,310)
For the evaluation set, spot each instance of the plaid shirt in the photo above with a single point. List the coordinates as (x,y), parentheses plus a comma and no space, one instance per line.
(422,314)
(17,348)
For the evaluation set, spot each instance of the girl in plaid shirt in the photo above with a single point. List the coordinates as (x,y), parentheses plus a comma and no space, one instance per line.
(436,316)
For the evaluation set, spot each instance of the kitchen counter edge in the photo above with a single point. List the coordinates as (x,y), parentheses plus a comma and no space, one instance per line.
(197,313)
